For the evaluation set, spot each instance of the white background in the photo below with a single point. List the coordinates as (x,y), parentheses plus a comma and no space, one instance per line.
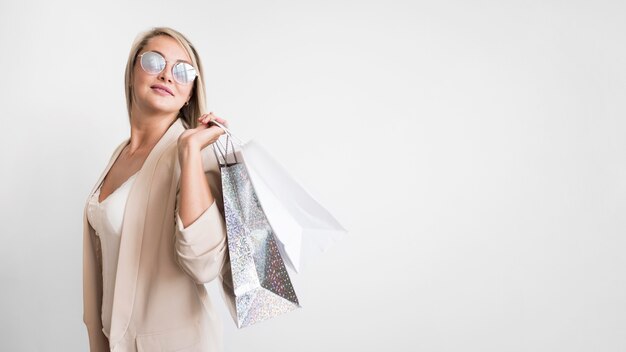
(474,149)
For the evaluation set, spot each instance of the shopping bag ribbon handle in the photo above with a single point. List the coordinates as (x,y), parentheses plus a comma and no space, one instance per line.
(224,150)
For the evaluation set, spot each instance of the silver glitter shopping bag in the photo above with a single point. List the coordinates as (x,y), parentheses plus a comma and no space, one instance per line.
(260,282)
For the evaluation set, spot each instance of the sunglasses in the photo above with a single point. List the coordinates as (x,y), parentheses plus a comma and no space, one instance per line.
(153,63)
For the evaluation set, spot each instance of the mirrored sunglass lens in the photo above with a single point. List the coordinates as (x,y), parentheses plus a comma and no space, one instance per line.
(184,73)
(152,62)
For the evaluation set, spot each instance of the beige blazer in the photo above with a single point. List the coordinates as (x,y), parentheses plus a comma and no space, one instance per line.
(159,302)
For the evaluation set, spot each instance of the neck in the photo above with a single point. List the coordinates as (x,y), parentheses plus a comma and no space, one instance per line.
(146,129)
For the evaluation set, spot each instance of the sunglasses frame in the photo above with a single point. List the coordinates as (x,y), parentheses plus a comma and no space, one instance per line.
(166,62)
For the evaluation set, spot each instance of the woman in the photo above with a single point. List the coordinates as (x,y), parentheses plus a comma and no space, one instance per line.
(154,232)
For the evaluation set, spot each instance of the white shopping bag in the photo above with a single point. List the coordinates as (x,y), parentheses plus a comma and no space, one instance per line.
(303,227)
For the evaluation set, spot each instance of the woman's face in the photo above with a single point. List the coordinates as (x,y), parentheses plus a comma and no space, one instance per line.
(155,100)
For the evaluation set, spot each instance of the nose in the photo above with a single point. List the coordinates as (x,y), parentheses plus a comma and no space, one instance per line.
(166,74)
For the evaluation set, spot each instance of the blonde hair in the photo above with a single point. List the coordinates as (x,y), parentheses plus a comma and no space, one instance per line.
(197,104)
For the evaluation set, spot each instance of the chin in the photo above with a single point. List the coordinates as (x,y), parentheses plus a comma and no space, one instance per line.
(161,105)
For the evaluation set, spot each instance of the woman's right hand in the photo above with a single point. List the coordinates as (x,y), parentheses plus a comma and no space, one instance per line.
(204,134)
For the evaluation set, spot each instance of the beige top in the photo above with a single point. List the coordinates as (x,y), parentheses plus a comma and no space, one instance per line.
(106,218)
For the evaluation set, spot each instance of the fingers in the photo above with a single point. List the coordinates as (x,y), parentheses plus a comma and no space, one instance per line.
(208,135)
(207,118)
(208,132)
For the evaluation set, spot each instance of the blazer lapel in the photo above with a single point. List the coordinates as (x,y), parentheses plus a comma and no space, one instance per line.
(132,234)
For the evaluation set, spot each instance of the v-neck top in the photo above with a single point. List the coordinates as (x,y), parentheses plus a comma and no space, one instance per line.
(106,218)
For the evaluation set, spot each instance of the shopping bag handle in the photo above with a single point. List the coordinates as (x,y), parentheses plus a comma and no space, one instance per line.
(224,150)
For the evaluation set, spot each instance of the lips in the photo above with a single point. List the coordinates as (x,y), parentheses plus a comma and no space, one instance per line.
(162,88)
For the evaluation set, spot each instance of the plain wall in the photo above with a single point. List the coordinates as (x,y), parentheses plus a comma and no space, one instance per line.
(474,149)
